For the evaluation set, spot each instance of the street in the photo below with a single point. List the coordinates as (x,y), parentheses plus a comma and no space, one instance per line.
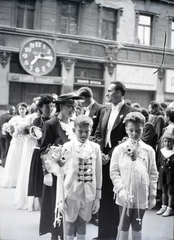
(23,225)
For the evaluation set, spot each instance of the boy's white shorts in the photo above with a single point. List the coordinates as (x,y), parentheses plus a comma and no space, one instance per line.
(77,208)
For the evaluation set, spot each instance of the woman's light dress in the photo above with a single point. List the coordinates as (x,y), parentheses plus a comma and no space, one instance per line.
(14,156)
(22,201)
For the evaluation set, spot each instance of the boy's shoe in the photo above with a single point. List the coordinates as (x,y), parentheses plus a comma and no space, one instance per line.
(168,212)
(162,210)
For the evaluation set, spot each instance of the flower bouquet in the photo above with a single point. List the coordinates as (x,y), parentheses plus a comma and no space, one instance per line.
(8,128)
(22,130)
(54,158)
(53,155)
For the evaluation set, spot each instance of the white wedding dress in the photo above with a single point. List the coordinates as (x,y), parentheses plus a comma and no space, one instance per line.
(14,156)
(21,200)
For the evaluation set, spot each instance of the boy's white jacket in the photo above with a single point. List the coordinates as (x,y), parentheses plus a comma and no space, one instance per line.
(138,178)
(83,171)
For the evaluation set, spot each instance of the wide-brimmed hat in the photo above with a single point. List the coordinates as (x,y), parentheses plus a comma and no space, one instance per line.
(67,97)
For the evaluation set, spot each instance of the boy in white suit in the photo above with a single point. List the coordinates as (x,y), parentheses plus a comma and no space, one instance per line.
(83,179)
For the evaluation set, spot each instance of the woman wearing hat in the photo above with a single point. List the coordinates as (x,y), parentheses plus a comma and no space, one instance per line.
(56,131)
(36,174)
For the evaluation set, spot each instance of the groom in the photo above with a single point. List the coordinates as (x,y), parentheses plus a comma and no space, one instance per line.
(111,130)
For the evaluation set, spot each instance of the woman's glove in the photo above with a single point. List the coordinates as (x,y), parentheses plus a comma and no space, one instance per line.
(151,202)
(48,179)
(123,196)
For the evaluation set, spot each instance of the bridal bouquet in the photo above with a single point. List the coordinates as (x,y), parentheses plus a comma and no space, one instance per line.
(22,130)
(8,128)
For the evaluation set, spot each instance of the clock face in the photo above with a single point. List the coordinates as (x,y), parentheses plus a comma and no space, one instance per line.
(37,57)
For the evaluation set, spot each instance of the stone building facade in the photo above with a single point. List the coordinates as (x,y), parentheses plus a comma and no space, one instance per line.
(94,42)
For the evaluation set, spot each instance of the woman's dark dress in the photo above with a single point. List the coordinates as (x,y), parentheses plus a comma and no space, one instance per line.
(36,173)
(52,134)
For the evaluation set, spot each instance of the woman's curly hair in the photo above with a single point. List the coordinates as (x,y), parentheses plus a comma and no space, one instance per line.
(44,99)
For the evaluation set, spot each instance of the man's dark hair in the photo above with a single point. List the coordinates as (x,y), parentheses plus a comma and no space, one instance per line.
(119,86)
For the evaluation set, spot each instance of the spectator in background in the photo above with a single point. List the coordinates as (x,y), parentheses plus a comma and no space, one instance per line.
(156,117)
(128,102)
(163,106)
(90,107)
(5,139)
(149,135)
(136,105)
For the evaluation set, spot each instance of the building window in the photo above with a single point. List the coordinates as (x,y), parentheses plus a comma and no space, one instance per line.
(25,14)
(109,17)
(172,35)
(69,18)
(144,29)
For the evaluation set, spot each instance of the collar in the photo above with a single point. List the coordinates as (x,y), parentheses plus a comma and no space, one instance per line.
(118,106)
(167,153)
(90,105)
(79,144)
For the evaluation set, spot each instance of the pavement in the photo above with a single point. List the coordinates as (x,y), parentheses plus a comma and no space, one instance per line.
(23,225)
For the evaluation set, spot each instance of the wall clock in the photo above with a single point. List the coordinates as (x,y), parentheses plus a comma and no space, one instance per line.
(37,57)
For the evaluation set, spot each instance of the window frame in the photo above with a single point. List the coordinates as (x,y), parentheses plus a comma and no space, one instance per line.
(26,8)
(113,21)
(77,3)
(153,18)
(171,20)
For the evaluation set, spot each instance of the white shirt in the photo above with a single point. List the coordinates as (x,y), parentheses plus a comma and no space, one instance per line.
(88,108)
(114,113)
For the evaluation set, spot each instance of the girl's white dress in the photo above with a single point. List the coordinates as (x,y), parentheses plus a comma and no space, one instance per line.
(22,201)
(137,174)
(14,156)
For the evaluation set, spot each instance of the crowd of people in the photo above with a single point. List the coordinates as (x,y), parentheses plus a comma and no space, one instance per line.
(76,161)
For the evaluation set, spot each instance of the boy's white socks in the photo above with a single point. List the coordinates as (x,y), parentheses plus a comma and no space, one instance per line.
(136,235)
(124,235)
(80,237)
(70,237)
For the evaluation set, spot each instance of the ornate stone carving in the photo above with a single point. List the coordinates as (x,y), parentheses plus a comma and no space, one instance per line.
(99,7)
(161,73)
(4,56)
(68,62)
(110,66)
(111,52)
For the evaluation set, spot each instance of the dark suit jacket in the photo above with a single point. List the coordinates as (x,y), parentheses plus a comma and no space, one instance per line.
(118,130)
(95,114)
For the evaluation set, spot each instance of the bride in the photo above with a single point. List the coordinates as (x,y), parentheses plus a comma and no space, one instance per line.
(14,155)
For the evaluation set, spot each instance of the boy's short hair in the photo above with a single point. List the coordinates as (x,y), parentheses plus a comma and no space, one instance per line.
(83,120)
(134,117)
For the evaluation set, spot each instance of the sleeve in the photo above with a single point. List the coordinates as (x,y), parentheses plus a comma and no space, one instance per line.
(98,129)
(160,124)
(48,135)
(153,174)
(98,172)
(115,170)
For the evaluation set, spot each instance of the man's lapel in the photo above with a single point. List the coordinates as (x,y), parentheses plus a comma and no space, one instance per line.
(121,115)
(106,118)
(93,110)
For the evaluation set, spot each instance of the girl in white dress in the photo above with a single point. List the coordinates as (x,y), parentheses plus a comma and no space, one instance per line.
(14,155)
(22,201)
(134,175)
